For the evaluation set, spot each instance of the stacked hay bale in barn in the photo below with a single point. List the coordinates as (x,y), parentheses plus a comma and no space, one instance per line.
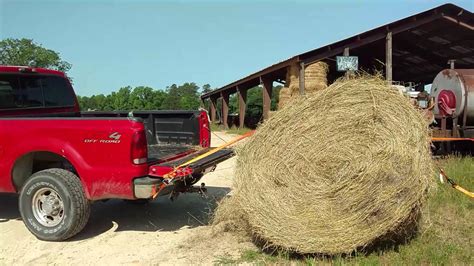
(315,77)
(292,79)
(315,80)
(284,97)
(333,172)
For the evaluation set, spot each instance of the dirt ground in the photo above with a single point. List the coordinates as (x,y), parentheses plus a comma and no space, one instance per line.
(162,232)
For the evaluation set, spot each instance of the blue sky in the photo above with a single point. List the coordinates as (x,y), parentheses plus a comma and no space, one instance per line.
(112,44)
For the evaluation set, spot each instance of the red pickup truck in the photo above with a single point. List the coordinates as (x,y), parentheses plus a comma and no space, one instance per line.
(60,160)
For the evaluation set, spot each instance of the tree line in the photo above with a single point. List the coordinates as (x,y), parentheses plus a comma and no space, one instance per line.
(174,97)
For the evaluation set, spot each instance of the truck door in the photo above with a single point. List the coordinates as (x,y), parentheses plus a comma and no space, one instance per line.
(10,93)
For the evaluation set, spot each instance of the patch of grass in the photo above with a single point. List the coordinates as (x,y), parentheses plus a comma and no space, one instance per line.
(446,236)
(232,130)
(254,257)
(225,260)
(238,131)
(216,127)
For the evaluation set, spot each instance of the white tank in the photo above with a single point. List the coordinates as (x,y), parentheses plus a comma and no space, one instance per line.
(454,89)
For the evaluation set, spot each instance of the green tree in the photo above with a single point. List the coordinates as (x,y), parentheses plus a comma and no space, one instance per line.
(145,98)
(184,97)
(206,88)
(101,103)
(121,99)
(25,52)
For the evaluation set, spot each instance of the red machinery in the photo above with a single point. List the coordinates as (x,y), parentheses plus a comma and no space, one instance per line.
(453,93)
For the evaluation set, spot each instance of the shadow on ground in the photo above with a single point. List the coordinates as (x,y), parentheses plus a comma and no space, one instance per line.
(189,210)
(9,208)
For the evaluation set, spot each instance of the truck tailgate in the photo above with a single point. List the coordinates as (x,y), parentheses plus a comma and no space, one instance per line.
(202,164)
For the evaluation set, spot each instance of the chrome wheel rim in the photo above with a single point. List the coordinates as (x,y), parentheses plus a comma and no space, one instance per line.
(48,207)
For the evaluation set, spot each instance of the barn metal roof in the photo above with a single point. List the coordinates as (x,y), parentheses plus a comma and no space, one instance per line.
(422,45)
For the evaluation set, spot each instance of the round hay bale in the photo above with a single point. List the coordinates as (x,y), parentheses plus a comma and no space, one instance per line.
(332,172)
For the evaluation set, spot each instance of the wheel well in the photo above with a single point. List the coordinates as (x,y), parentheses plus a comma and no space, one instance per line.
(36,161)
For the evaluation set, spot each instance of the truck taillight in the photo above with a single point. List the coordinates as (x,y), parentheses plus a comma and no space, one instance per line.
(205,129)
(139,148)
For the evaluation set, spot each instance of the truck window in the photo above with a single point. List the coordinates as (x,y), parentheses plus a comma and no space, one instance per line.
(10,94)
(57,92)
(24,91)
(32,93)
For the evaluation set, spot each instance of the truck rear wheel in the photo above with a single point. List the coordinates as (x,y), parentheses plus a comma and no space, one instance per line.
(53,205)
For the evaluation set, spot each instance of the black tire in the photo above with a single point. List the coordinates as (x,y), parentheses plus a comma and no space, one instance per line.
(74,208)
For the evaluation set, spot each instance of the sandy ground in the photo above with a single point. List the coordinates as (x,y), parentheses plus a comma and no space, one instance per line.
(118,232)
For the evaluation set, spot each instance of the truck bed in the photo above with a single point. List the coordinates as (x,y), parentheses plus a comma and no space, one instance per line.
(165,152)
(170,134)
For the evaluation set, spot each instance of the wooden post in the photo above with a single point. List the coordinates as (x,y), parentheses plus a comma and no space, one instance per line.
(346,53)
(451,63)
(242,106)
(267,96)
(225,109)
(388,57)
(301,78)
(213,107)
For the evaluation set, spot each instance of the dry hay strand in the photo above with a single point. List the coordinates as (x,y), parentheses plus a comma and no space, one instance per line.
(332,172)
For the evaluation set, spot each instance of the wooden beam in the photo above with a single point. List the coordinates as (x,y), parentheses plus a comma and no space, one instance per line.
(253,79)
(213,107)
(267,96)
(463,24)
(422,41)
(301,78)
(372,38)
(242,93)
(425,53)
(225,109)
(388,57)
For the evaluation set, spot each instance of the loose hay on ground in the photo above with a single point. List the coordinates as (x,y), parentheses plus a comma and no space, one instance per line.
(333,171)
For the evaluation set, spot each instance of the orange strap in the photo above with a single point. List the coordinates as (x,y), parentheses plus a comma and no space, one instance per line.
(204,155)
(451,139)
(169,176)
(454,185)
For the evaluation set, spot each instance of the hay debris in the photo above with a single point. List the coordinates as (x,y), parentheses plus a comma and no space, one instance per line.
(332,172)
